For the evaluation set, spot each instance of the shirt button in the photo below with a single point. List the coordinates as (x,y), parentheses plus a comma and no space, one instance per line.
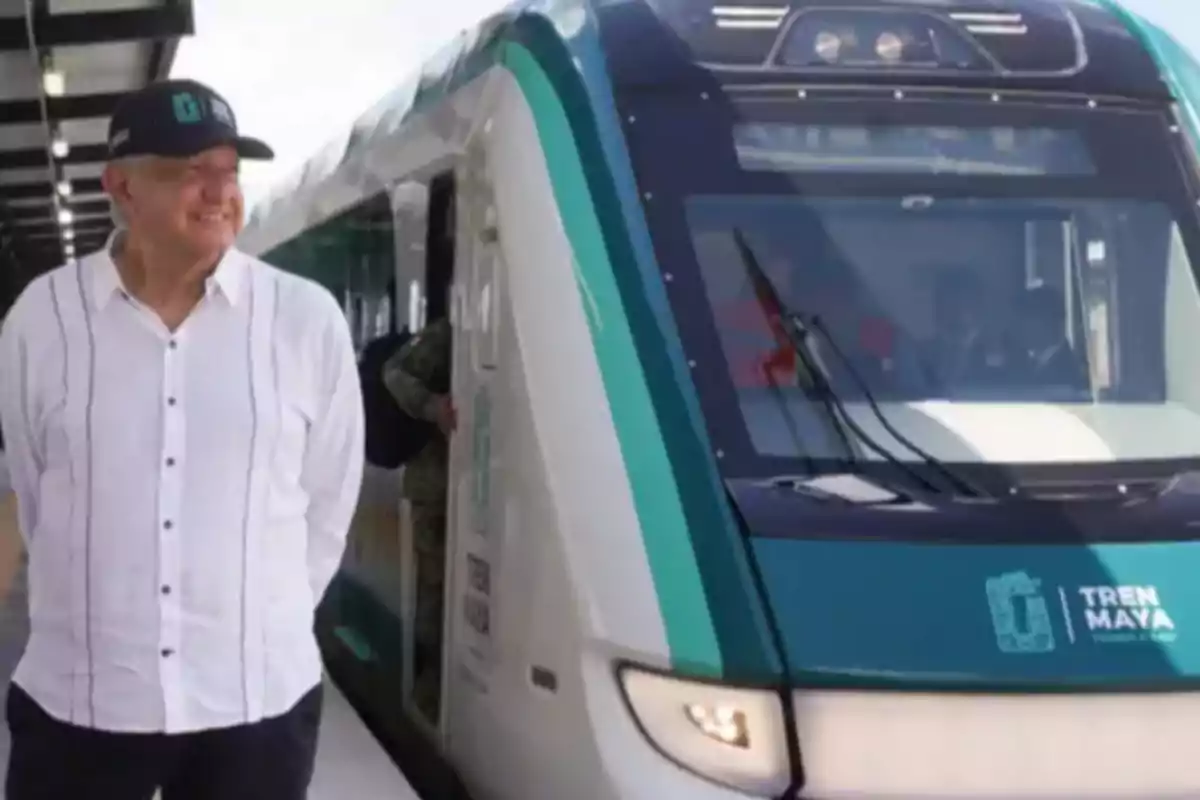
(168,525)
(166,653)
(170,462)
(170,401)
(173,344)
(166,590)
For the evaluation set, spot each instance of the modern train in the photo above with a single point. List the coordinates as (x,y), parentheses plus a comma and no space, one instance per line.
(828,401)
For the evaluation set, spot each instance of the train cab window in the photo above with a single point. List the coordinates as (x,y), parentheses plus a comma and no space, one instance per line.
(972,268)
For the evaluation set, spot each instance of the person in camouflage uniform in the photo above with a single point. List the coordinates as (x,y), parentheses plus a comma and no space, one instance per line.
(413,376)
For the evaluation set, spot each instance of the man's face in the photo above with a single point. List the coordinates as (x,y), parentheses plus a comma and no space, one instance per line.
(194,204)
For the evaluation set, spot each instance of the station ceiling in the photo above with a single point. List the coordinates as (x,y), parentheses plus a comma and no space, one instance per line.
(51,202)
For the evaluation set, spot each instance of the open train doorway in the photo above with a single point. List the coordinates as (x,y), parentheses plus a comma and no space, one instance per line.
(427,476)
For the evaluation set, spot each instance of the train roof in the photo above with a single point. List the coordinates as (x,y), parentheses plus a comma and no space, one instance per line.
(1070,46)
(1087,47)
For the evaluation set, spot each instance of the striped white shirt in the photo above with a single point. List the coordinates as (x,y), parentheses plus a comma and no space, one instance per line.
(184,497)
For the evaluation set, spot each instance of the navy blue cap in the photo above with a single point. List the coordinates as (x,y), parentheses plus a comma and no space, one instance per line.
(177,119)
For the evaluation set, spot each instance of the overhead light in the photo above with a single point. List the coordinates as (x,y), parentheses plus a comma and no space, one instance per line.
(59,146)
(68,235)
(54,82)
(64,188)
(65,217)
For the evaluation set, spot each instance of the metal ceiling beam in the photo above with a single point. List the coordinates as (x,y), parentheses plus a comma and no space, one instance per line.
(29,222)
(48,211)
(162,54)
(82,220)
(97,27)
(21,191)
(80,226)
(34,157)
(77,106)
(55,249)
(57,253)
(80,205)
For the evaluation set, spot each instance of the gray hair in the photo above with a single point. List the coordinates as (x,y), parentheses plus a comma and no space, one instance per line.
(126,163)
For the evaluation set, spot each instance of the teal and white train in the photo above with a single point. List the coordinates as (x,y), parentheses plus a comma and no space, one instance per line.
(829,399)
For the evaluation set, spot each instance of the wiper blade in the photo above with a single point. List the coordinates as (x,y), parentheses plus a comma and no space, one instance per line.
(959,481)
(795,330)
(822,489)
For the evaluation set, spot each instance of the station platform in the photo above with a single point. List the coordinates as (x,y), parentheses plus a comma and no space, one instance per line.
(350,762)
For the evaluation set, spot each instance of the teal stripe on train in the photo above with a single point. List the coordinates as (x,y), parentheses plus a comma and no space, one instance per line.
(677,578)
(696,557)
(738,612)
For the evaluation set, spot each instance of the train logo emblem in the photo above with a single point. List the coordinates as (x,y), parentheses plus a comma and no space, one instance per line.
(1118,614)
(1020,614)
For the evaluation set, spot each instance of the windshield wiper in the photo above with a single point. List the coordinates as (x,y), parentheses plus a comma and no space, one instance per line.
(953,477)
(796,331)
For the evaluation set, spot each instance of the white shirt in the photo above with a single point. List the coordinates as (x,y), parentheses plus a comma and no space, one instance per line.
(184,497)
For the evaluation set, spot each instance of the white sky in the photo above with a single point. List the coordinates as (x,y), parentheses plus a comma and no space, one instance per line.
(299,71)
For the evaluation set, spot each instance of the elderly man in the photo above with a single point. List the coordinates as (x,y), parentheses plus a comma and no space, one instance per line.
(185,437)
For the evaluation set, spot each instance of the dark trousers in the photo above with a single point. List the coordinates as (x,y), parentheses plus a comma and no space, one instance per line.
(268,760)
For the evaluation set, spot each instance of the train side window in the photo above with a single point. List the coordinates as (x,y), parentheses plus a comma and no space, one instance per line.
(353,256)
(410,215)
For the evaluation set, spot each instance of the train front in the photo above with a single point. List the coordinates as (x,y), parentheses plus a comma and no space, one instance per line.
(933,266)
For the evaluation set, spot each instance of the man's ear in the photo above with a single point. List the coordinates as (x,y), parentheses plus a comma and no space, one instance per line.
(115,180)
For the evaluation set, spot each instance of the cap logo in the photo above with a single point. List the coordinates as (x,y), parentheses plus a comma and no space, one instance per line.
(187,110)
(120,138)
(223,113)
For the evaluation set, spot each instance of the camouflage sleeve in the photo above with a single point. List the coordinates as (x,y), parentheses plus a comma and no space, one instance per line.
(407,373)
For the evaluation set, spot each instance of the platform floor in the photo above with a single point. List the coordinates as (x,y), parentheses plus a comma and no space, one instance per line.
(350,763)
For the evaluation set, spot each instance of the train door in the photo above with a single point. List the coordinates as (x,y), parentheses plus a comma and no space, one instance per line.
(410,220)
(470,653)
(427,516)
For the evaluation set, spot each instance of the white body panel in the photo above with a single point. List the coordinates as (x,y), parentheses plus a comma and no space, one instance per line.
(572,588)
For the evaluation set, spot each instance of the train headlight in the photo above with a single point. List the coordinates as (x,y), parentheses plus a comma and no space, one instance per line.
(729,735)
(724,723)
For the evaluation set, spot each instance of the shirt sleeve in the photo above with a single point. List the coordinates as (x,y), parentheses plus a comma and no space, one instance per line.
(333,463)
(22,460)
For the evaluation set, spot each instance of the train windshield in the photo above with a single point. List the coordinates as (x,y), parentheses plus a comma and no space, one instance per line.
(1009,284)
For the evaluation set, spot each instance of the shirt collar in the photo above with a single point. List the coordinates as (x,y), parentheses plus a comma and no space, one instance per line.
(226,279)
